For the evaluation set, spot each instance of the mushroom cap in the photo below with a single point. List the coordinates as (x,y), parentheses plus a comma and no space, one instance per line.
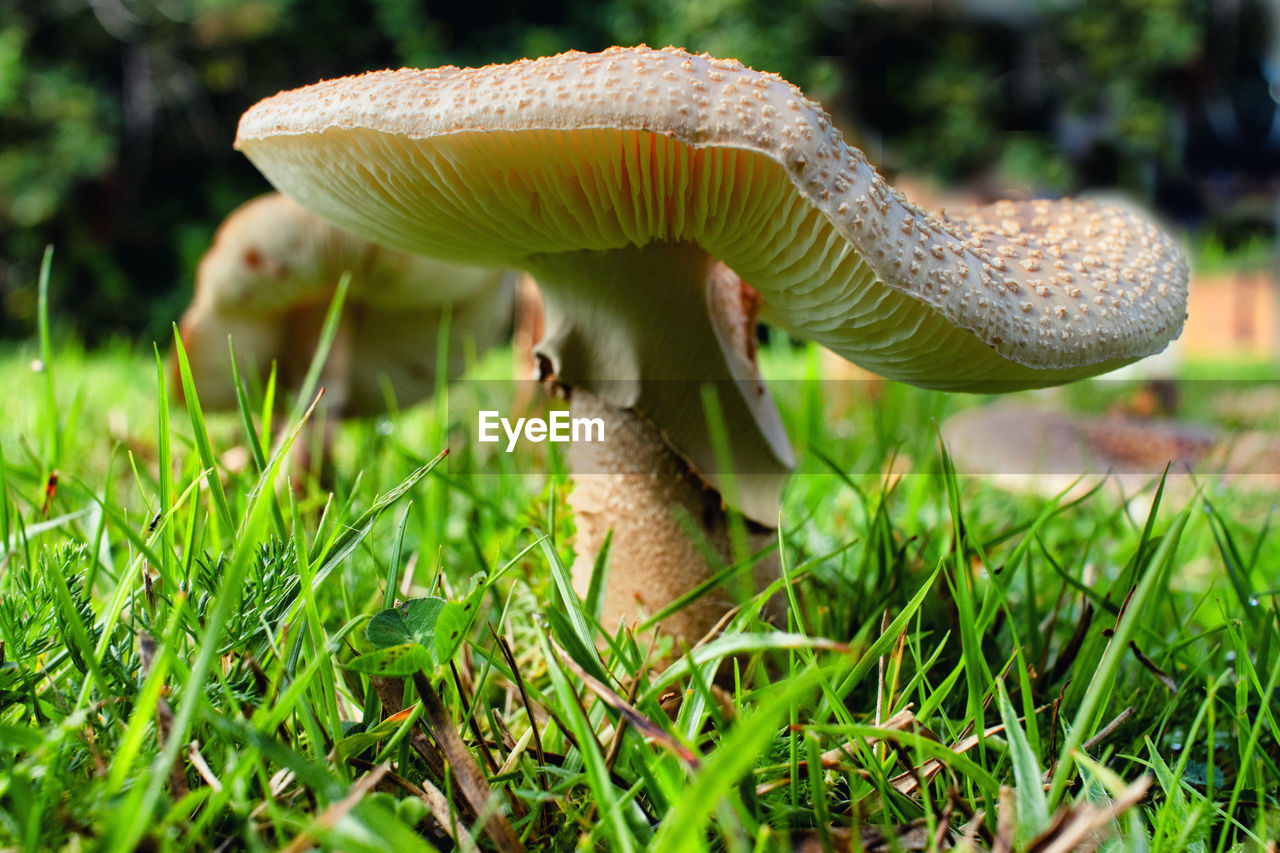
(634,145)
(268,278)
(1016,438)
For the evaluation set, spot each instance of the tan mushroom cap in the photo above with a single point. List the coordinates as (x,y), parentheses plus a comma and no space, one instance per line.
(267,281)
(1025,449)
(635,146)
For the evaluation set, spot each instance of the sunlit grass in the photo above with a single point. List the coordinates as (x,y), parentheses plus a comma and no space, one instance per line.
(957,665)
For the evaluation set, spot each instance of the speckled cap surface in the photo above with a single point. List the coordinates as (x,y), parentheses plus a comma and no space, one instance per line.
(597,151)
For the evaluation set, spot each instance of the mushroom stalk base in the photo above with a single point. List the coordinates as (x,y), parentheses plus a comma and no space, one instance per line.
(665,520)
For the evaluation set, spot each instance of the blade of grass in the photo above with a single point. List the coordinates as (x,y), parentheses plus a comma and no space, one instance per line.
(52,431)
(201,435)
(328,331)
(30,531)
(818,794)
(737,644)
(146,701)
(884,643)
(717,782)
(594,601)
(1102,681)
(251,436)
(471,779)
(1237,570)
(726,466)
(977,673)
(314,626)
(77,636)
(342,543)
(110,616)
(1033,808)
(4,503)
(164,464)
(269,403)
(583,634)
(614,826)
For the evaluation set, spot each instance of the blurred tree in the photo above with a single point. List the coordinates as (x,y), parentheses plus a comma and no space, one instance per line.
(58,133)
(117,120)
(1055,95)
(117,116)
(1119,71)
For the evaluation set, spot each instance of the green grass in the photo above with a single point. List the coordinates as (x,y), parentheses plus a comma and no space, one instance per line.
(185,660)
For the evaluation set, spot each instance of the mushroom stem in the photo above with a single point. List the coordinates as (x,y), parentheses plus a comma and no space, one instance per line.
(649,328)
(636,486)
(637,335)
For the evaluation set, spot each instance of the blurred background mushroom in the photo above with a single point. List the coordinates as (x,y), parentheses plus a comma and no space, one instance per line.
(1045,451)
(267,282)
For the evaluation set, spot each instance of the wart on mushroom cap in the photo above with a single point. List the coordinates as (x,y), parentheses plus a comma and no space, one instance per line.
(268,278)
(618,178)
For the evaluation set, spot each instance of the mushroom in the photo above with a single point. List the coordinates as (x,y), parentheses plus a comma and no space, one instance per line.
(1045,452)
(625,182)
(267,281)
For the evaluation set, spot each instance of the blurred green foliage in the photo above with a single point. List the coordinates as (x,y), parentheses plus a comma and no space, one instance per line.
(117,117)
(1124,50)
(63,118)
(1036,92)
